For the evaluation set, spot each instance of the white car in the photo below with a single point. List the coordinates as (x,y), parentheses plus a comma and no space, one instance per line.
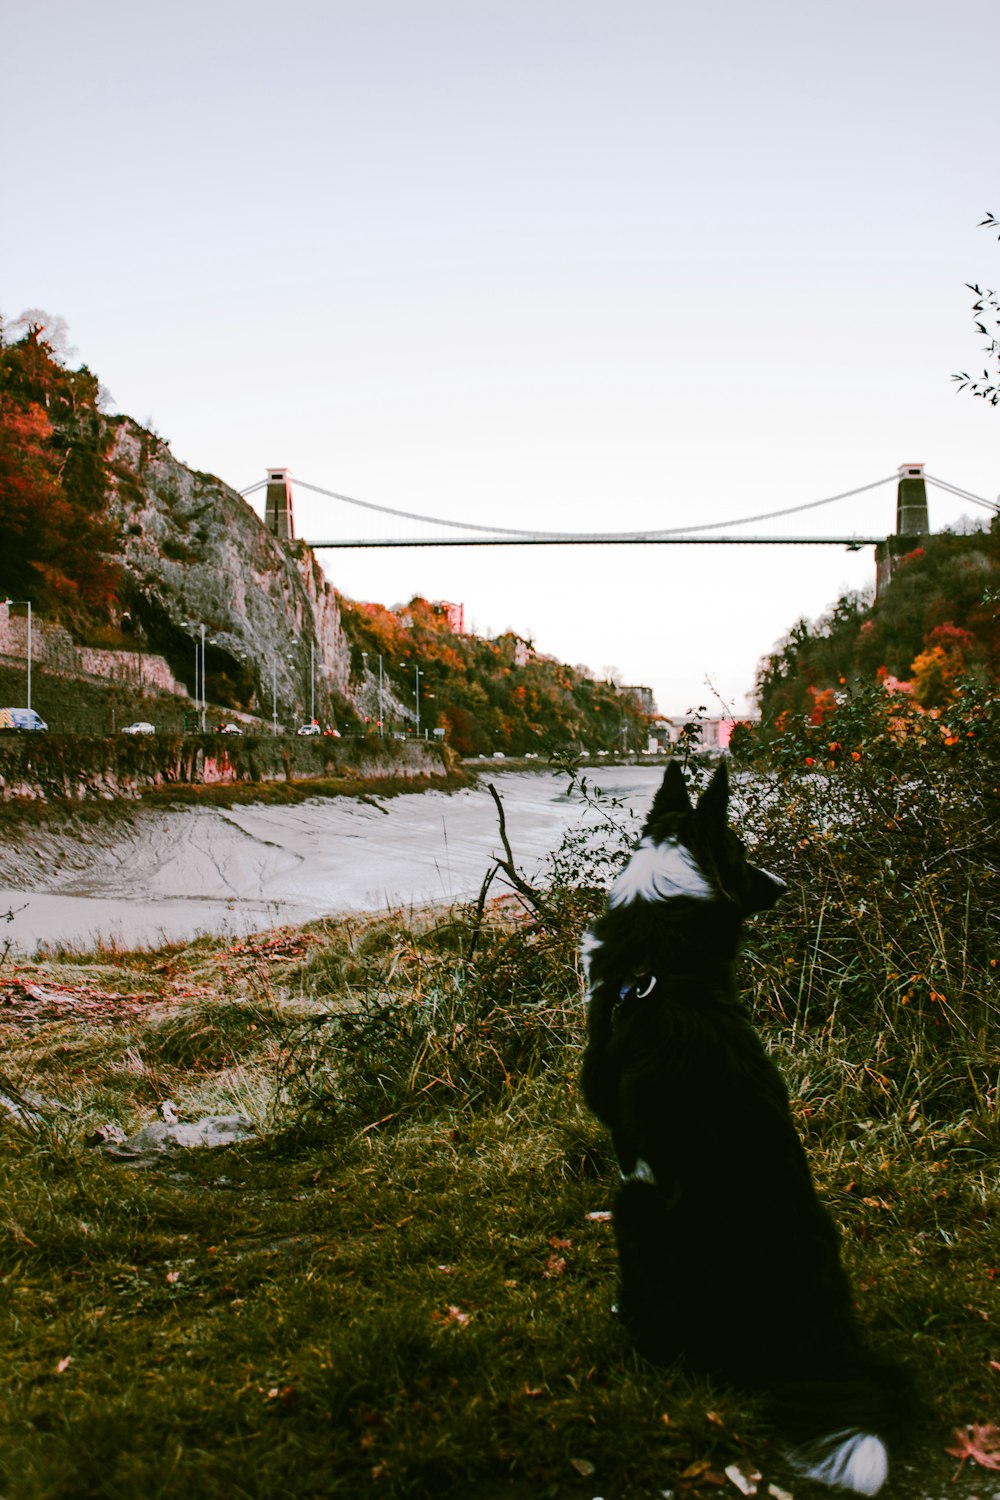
(142,727)
(230,729)
(312,728)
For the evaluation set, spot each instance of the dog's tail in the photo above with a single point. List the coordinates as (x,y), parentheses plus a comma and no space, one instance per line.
(847,1460)
(839,1427)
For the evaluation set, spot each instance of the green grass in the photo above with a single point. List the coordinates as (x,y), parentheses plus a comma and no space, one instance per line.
(395,1288)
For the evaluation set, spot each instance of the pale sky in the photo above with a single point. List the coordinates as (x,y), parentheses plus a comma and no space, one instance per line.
(539,263)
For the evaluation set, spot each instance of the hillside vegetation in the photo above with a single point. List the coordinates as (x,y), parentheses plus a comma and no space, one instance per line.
(57,539)
(937,623)
(494,694)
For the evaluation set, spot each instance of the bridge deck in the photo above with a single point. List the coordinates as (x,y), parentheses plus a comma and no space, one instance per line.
(855,543)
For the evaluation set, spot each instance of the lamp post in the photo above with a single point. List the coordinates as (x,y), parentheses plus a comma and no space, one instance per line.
(287,659)
(9,602)
(199,672)
(364,655)
(418,672)
(204,694)
(312,682)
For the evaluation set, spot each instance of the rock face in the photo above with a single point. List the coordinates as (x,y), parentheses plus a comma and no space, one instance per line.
(197,555)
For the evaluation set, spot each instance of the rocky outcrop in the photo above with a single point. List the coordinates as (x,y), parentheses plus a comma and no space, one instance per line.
(197,555)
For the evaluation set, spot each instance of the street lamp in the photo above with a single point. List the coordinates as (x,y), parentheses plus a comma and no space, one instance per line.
(274,689)
(418,672)
(204,693)
(381,716)
(199,670)
(9,602)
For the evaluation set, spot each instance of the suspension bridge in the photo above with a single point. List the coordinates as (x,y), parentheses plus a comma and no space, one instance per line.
(912,521)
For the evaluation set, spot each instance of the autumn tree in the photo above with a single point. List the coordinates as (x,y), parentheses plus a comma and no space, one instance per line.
(57,541)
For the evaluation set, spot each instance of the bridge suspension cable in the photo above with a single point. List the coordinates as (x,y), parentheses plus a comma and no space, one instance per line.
(953,489)
(575,536)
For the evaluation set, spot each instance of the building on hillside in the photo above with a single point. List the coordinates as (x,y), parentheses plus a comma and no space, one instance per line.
(453,613)
(643,697)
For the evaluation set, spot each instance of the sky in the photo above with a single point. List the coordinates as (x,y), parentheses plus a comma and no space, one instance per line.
(543,264)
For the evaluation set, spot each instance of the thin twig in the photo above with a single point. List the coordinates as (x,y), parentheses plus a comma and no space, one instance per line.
(510,869)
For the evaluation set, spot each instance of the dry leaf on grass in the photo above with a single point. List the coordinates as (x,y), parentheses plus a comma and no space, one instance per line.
(454,1317)
(980,1442)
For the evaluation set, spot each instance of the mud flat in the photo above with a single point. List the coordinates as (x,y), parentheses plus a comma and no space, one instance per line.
(150,876)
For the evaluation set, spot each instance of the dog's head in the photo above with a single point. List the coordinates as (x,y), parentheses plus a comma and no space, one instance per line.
(690,852)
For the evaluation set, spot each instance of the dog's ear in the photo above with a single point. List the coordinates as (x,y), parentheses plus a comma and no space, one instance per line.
(713,803)
(672,796)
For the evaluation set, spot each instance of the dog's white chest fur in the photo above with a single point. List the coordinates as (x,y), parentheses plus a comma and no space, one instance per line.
(658,872)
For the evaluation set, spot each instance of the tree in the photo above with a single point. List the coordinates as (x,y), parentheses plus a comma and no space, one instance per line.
(987,316)
(57,539)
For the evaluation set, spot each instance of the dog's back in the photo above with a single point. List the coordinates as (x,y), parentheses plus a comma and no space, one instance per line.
(727,1259)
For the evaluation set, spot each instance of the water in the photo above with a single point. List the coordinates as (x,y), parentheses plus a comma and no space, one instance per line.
(243,869)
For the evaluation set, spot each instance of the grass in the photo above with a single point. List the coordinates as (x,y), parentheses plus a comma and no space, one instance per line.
(399,1286)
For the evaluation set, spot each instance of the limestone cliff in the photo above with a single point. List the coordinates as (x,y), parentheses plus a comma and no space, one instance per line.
(197,555)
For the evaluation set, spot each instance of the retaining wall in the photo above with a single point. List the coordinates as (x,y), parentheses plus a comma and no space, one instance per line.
(81,766)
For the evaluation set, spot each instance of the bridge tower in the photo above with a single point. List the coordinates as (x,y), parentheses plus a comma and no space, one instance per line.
(912,522)
(278,516)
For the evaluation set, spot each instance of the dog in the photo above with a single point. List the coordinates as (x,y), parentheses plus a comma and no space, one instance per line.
(727,1259)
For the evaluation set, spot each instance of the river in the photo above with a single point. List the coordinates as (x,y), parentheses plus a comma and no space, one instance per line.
(190,870)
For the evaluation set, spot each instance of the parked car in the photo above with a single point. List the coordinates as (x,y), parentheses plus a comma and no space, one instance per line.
(312,728)
(230,729)
(20,720)
(142,727)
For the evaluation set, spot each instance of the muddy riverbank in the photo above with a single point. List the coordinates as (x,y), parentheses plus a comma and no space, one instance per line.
(143,873)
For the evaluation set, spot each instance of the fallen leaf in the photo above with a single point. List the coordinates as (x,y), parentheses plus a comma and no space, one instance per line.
(599,1216)
(980,1442)
(173,1276)
(64,1364)
(554,1266)
(454,1316)
(699,1466)
(583,1467)
(558,1244)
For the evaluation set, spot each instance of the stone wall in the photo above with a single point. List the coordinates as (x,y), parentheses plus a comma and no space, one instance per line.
(53,649)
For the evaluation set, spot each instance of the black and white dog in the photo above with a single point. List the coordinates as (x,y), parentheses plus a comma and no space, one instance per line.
(727,1258)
